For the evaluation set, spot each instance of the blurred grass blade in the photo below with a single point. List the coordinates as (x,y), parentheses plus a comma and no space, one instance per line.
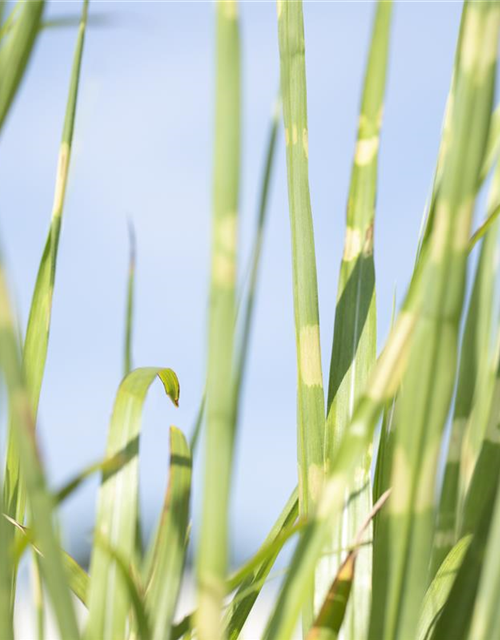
(37,333)
(169,545)
(214,545)
(129,316)
(248,301)
(133,590)
(78,578)
(440,587)
(16,51)
(107,466)
(333,610)
(427,389)
(310,396)
(117,504)
(472,393)
(486,616)
(41,502)
(355,334)
(238,610)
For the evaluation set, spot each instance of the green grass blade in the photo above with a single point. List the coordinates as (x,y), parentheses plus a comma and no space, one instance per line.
(213,547)
(472,391)
(440,588)
(239,609)
(37,333)
(333,610)
(486,619)
(78,579)
(40,501)
(129,316)
(355,334)
(310,395)
(16,51)
(117,505)
(424,402)
(170,543)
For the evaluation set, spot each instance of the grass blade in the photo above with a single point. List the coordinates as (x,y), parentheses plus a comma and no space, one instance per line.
(213,546)
(354,341)
(129,316)
(41,502)
(16,51)
(310,396)
(117,505)
(170,544)
(423,404)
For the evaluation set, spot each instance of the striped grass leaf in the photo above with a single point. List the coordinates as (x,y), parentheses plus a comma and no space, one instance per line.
(169,545)
(423,404)
(383,384)
(472,393)
(354,341)
(16,50)
(109,598)
(440,588)
(310,396)
(333,610)
(213,547)
(40,501)
(37,333)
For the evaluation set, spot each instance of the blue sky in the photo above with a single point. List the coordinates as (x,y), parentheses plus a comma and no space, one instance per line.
(143,149)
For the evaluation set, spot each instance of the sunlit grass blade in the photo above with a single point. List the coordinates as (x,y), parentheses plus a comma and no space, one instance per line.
(355,334)
(40,501)
(424,400)
(333,610)
(473,391)
(214,544)
(37,333)
(238,610)
(134,591)
(310,396)
(169,546)
(440,587)
(117,504)
(16,51)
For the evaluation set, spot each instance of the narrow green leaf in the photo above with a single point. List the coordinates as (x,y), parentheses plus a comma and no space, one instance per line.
(129,316)
(41,503)
(214,544)
(355,334)
(169,545)
(109,597)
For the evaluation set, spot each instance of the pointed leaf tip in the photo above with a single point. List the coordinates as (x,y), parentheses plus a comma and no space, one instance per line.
(171,384)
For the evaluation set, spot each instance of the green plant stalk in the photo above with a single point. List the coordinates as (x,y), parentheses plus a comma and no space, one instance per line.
(116,522)
(40,500)
(472,390)
(355,333)
(213,547)
(423,404)
(129,316)
(37,333)
(310,396)
(16,51)
(383,384)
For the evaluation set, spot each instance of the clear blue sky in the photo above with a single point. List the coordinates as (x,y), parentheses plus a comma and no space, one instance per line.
(143,149)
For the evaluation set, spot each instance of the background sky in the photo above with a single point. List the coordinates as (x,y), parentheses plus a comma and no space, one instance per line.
(143,149)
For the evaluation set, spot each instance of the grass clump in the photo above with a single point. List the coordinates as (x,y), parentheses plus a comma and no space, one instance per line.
(421,559)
